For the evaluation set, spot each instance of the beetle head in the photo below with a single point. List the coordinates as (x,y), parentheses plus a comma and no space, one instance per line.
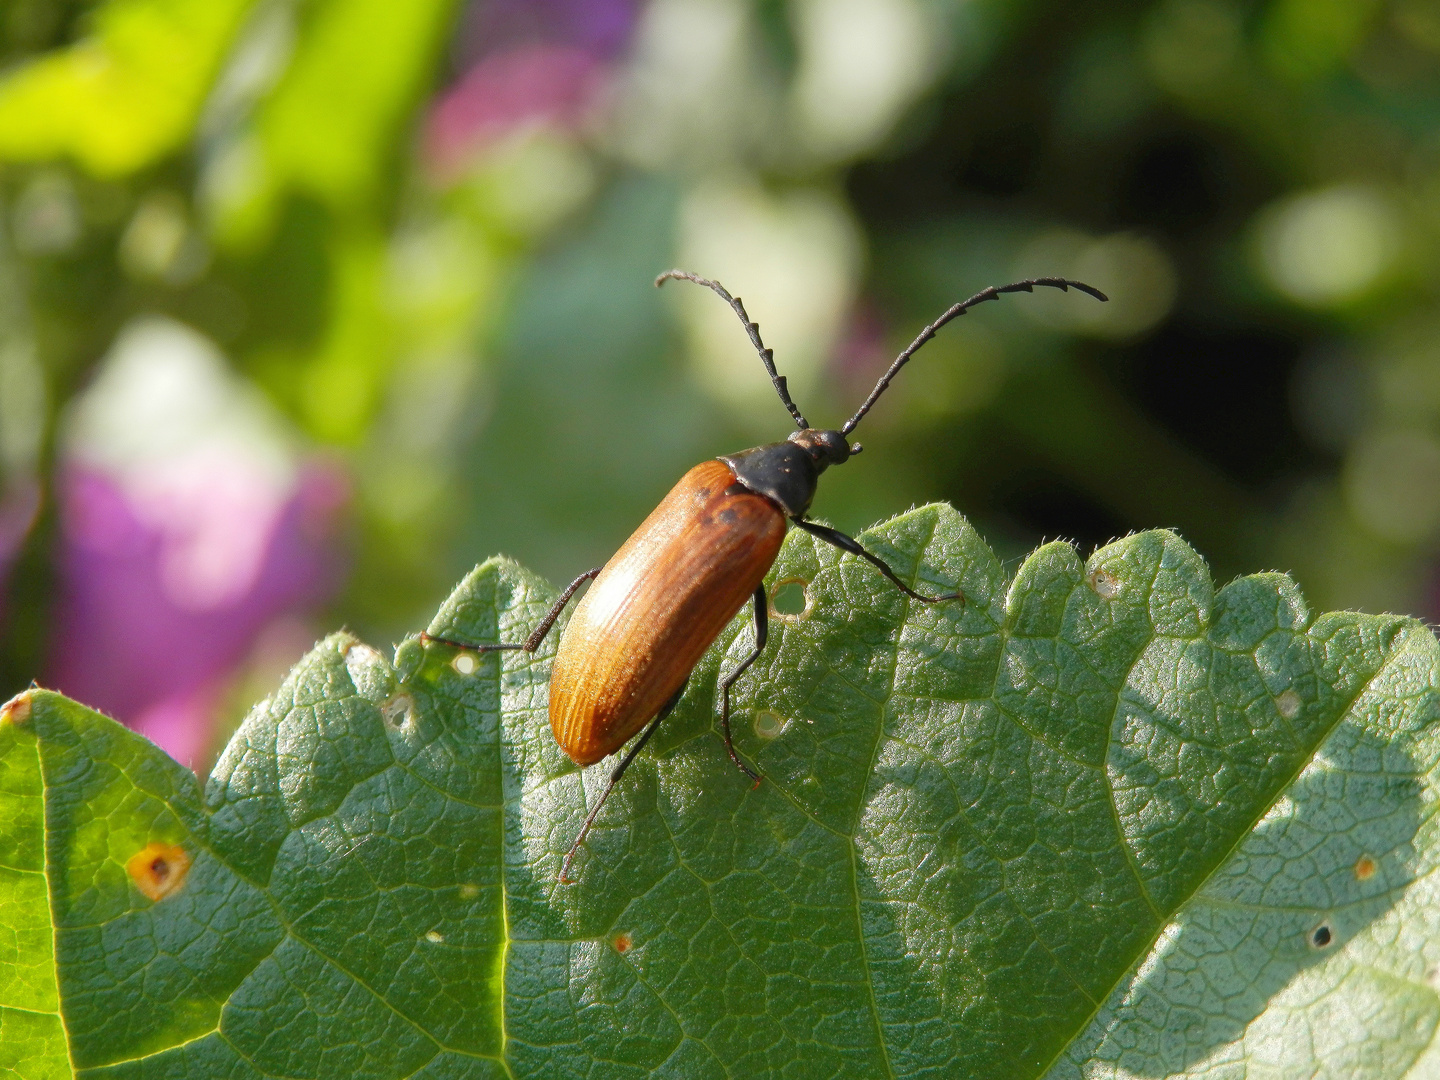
(825,448)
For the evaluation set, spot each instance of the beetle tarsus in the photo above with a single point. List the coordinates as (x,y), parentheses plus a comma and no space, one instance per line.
(665,710)
(854,547)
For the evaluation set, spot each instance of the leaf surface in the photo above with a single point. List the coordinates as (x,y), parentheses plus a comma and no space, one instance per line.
(1099,820)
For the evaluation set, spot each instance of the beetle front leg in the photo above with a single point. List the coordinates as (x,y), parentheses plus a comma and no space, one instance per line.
(531,643)
(639,744)
(762,631)
(850,544)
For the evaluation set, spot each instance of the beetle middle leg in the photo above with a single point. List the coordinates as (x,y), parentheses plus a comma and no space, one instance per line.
(531,643)
(636,747)
(853,546)
(762,631)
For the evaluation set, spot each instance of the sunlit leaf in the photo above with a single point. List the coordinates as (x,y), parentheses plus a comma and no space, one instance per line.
(1098,820)
(331,128)
(124,96)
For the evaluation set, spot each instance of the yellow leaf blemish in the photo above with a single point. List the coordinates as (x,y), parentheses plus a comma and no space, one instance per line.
(158,869)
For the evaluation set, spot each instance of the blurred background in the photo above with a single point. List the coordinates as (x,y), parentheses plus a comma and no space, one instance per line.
(306,306)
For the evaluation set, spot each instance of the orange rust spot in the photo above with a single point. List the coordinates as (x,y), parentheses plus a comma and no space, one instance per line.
(623,943)
(158,869)
(16,710)
(1364,868)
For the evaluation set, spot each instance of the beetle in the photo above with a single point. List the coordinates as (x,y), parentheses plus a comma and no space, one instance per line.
(627,652)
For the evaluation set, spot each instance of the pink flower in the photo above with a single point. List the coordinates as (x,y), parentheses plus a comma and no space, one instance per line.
(549,84)
(186,528)
(526,63)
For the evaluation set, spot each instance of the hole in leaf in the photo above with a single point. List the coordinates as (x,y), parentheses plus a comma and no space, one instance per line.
(768,724)
(790,600)
(1321,936)
(1364,868)
(1105,584)
(398,711)
(1289,704)
(465,663)
(359,657)
(158,869)
(16,710)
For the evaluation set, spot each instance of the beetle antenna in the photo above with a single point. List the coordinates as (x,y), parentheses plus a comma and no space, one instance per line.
(992,293)
(767,356)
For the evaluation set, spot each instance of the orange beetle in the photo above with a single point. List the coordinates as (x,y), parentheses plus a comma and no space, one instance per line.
(663,598)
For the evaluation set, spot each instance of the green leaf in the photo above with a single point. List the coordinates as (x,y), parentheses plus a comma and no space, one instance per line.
(125,96)
(1097,821)
(332,127)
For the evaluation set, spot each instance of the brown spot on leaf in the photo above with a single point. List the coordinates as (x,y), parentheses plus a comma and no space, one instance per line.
(158,869)
(623,943)
(1364,868)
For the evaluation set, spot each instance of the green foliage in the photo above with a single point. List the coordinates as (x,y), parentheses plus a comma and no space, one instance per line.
(127,95)
(1098,816)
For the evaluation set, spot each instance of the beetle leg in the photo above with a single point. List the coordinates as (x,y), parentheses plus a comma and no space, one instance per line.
(850,544)
(531,643)
(762,631)
(636,747)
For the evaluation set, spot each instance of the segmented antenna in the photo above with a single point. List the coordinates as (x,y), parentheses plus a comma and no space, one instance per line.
(992,293)
(767,356)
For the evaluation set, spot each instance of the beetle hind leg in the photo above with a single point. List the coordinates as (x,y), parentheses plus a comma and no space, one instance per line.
(762,632)
(665,710)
